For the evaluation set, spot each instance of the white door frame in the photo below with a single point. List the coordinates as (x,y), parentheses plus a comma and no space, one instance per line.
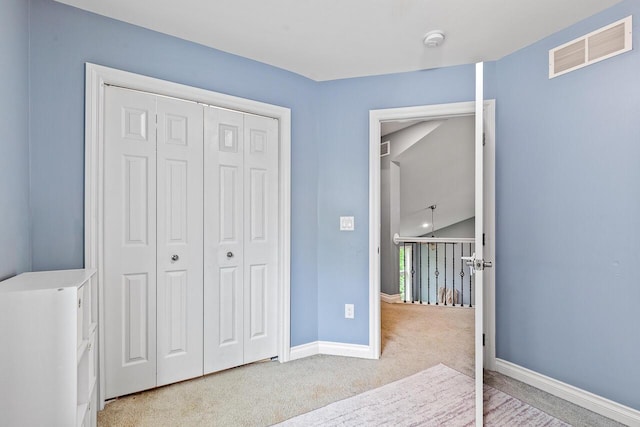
(432,112)
(97,77)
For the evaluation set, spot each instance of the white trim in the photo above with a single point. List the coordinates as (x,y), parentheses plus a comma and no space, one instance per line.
(330,348)
(344,349)
(588,400)
(375,117)
(305,350)
(490,235)
(400,239)
(479,254)
(390,299)
(96,78)
(425,111)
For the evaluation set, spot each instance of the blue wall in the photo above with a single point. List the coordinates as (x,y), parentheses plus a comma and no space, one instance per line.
(62,40)
(566,167)
(343,183)
(568,212)
(15,256)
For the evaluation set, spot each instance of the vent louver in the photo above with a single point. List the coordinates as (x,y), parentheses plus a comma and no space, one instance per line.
(384,149)
(601,44)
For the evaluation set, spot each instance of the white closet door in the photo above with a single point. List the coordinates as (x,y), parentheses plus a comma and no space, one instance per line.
(241,238)
(179,242)
(130,242)
(260,237)
(223,234)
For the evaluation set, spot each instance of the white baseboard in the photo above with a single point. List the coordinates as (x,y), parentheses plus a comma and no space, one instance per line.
(331,348)
(304,350)
(391,299)
(588,400)
(342,349)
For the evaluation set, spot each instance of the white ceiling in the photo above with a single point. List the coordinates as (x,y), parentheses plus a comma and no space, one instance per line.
(334,39)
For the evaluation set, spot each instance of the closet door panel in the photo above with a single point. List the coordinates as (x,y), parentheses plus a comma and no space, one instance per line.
(229,294)
(223,236)
(129,242)
(135,299)
(176,291)
(261,238)
(179,242)
(257,327)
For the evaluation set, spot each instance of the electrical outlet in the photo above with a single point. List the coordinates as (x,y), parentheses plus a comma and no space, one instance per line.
(349,311)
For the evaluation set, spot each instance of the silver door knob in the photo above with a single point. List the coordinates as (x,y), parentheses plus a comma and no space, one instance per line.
(229,254)
(175,257)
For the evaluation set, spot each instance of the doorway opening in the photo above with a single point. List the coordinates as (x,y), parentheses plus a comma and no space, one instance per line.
(427,116)
(427,192)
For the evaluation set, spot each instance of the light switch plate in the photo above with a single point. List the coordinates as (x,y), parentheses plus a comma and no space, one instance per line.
(347,223)
(349,311)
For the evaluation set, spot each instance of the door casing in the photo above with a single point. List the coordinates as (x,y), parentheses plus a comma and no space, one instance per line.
(96,77)
(432,112)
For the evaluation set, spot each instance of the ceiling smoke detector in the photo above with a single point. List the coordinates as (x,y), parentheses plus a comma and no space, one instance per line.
(433,38)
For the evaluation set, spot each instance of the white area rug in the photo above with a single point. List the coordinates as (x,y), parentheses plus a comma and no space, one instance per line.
(438,396)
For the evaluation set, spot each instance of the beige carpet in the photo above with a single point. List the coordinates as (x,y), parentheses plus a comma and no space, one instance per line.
(414,338)
(438,396)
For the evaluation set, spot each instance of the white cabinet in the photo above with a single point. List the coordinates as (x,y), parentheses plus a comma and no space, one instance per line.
(48,354)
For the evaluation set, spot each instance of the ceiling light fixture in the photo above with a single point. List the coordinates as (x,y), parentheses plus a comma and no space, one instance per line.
(433,38)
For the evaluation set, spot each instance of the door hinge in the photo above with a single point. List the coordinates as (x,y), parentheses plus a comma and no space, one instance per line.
(484,139)
(483,340)
(483,241)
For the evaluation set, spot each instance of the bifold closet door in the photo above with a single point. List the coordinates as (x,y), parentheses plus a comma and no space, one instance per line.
(179,241)
(152,241)
(260,238)
(241,238)
(130,242)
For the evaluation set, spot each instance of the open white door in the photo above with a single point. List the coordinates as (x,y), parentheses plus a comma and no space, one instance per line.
(484,219)
(478,263)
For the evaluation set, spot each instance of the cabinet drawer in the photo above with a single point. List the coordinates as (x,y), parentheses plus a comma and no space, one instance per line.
(87,370)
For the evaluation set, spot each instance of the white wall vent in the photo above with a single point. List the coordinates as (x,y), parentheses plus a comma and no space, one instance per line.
(601,44)
(384,149)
